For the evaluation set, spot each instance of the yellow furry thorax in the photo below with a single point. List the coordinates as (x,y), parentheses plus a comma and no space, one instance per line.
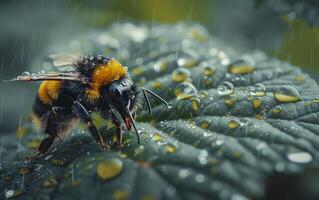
(104,75)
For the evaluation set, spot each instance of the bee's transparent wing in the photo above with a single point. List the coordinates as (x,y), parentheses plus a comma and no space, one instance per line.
(64,62)
(50,76)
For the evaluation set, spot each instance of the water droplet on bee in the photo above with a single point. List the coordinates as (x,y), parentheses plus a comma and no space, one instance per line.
(180,75)
(26,73)
(225,88)
(109,169)
(300,157)
(185,91)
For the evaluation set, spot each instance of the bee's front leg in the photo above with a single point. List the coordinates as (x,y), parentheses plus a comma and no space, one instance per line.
(116,121)
(86,118)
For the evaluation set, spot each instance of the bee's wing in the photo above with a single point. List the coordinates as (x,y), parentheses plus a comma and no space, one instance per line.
(64,62)
(50,76)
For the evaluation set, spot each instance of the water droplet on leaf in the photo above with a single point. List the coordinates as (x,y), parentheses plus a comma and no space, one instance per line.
(180,75)
(300,157)
(185,91)
(109,169)
(225,88)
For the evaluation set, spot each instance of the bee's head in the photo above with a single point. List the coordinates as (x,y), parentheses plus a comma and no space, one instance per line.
(122,96)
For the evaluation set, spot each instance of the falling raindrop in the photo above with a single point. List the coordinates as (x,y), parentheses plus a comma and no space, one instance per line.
(300,157)
(225,88)
(185,91)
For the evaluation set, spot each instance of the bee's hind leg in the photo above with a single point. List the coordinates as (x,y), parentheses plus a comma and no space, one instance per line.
(52,131)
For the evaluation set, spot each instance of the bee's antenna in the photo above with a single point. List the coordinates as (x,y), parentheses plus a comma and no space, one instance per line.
(147,102)
(155,95)
(132,120)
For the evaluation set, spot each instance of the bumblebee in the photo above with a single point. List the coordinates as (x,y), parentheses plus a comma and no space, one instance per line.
(95,83)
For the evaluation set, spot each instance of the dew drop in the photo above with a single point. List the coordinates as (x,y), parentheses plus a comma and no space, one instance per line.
(203,157)
(50,182)
(170,148)
(160,66)
(276,110)
(204,124)
(109,169)
(233,124)
(120,195)
(203,94)
(200,178)
(156,84)
(258,90)
(183,173)
(24,170)
(138,71)
(180,75)
(287,94)
(157,137)
(230,102)
(58,161)
(185,91)
(241,67)
(195,103)
(257,102)
(208,71)
(187,62)
(300,157)
(33,143)
(13,193)
(225,88)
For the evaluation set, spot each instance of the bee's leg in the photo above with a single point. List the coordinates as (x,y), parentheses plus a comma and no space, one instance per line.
(86,118)
(117,123)
(51,130)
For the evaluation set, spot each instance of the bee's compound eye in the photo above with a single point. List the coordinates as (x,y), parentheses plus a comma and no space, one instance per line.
(118,92)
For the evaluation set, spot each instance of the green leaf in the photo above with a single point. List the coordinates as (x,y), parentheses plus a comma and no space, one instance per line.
(231,122)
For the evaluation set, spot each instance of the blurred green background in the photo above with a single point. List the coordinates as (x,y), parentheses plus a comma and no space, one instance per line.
(29,27)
